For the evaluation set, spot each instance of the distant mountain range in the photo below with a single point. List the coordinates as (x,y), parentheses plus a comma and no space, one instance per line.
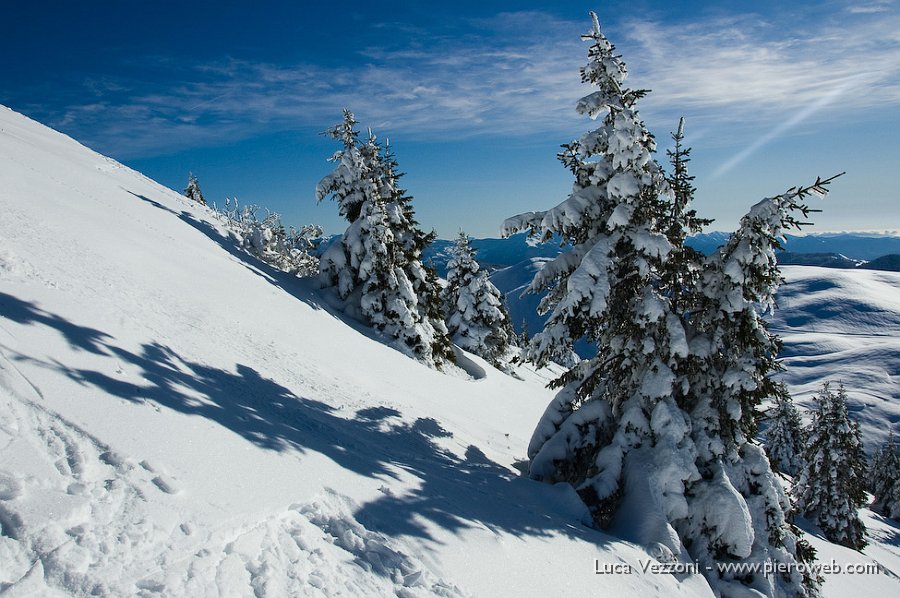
(855,247)
(515,260)
(495,254)
(831,250)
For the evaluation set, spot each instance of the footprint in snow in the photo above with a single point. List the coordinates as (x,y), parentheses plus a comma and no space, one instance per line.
(166,484)
(10,487)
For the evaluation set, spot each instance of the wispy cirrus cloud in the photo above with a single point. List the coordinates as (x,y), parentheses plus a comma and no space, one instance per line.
(871,7)
(748,77)
(746,68)
(515,74)
(455,87)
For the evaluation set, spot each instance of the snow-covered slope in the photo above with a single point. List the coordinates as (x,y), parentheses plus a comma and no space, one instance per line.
(844,326)
(178,419)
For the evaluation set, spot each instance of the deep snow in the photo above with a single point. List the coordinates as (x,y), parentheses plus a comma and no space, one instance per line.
(178,419)
(844,326)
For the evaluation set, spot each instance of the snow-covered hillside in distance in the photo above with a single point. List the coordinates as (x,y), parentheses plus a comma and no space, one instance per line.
(178,419)
(844,326)
(837,325)
(854,246)
(860,246)
(513,281)
(889,263)
(824,260)
(495,253)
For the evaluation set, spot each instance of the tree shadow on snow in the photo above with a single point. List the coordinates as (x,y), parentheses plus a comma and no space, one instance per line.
(455,492)
(888,530)
(80,337)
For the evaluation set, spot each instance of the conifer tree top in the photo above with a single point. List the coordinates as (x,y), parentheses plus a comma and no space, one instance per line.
(192,191)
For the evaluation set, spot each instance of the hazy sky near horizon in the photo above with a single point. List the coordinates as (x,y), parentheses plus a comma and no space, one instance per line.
(475,97)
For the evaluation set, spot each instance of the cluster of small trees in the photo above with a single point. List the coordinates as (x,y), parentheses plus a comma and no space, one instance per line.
(827,462)
(262,233)
(376,268)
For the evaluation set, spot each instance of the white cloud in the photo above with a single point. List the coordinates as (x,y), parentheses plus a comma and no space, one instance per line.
(754,81)
(516,74)
(784,126)
(871,8)
(748,70)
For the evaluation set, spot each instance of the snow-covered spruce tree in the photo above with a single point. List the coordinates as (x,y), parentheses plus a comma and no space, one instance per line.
(654,433)
(615,413)
(683,267)
(884,479)
(477,318)
(832,484)
(192,191)
(411,243)
(350,184)
(523,339)
(375,268)
(785,436)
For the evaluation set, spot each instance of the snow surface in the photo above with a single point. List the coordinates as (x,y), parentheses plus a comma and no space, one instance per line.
(178,419)
(844,326)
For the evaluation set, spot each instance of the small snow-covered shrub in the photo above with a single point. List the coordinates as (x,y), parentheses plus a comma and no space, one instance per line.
(261,232)
(192,191)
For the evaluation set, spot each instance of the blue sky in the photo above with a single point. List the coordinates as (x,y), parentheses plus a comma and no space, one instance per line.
(476,97)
